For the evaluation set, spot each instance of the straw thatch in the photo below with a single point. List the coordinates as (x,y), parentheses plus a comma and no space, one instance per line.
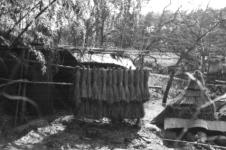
(190,105)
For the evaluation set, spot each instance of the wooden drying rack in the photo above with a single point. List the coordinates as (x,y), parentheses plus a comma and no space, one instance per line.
(81,50)
(101,50)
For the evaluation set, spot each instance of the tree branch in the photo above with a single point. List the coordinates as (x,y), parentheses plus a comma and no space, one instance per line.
(10,30)
(172,74)
(29,24)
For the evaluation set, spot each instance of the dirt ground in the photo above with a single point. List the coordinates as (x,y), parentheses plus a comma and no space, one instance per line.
(67,133)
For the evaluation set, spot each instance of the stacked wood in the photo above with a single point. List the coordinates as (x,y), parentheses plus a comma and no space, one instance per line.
(113,93)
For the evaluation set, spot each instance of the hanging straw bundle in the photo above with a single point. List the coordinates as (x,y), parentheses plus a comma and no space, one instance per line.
(109,92)
(114,84)
(104,85)
(120,85)
(137,85)
(84,83)
(99,84)
(113,93)
(126,85)
(89,83)
(145,84)
(77,97)
(131,86)
(95,90)
(141,84)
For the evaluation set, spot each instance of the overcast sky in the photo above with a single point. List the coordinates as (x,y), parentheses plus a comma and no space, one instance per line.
(158,5)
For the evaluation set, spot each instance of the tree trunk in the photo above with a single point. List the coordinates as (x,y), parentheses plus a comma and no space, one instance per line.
(168,86)
(97,22)
(172,74)
(102,33)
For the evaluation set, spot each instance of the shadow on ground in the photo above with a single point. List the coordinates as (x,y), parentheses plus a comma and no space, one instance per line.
(84,135)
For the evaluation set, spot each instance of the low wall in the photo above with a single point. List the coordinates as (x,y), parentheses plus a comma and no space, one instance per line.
(161,80)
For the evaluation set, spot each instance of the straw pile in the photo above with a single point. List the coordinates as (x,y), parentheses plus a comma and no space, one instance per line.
(188,106)
(113,93)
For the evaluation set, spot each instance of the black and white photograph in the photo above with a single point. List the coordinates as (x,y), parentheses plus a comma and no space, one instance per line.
(112,74)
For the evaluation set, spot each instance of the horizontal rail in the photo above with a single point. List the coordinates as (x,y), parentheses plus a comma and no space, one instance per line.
(12,81)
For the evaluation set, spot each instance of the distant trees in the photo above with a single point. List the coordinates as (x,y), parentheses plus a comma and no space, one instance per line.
(117,23)
(74,22)
(187,35)
(114,22)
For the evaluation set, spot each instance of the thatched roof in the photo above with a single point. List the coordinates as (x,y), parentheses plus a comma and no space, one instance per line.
(104,56)
(107,59)
(191,104)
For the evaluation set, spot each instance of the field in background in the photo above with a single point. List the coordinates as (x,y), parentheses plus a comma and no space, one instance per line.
(161,80)
(163,59)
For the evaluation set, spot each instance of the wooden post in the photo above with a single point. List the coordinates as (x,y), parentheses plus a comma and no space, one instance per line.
(20,91)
